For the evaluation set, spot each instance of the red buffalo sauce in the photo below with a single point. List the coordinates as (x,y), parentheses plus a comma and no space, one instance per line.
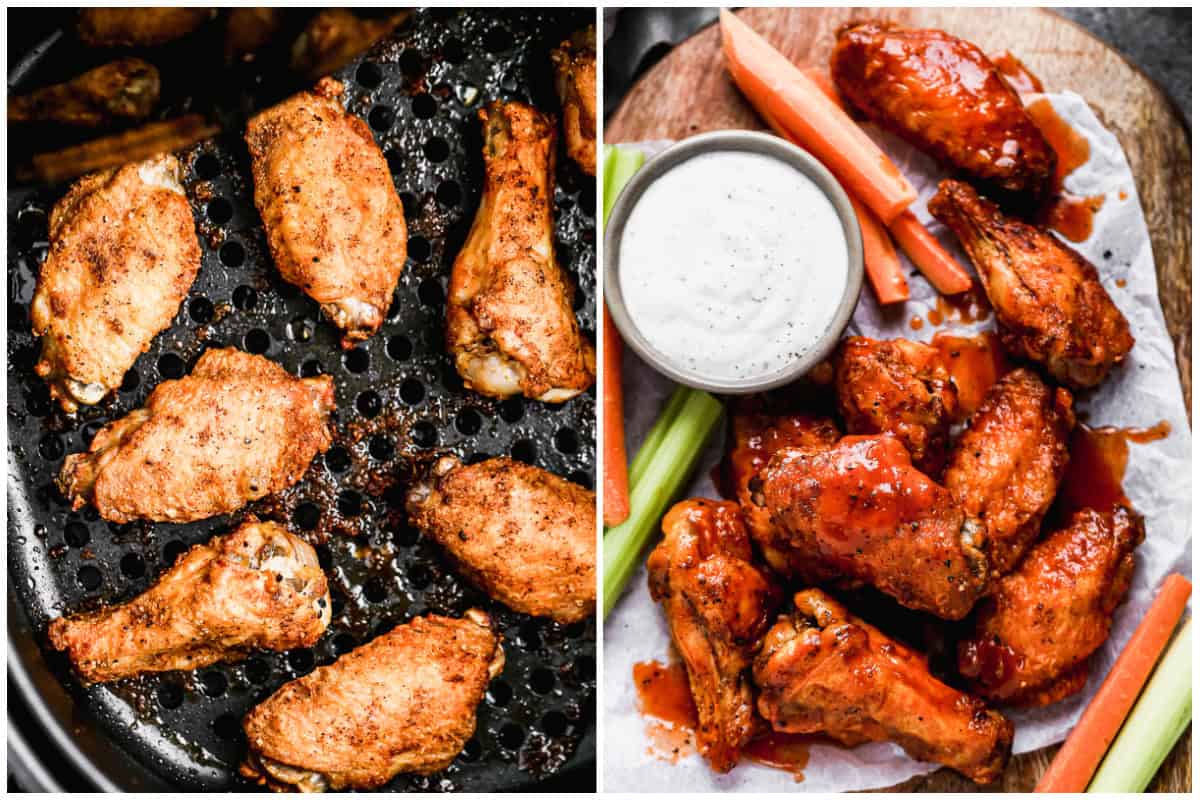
(1072,215)
(1017,74)
(975,363)
(1068,214)
(785,751)
(963,308)
(1097,465)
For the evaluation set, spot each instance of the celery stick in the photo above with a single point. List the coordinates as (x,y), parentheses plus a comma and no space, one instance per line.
(664,476)
(666,418)
(1160,717)
(619,168)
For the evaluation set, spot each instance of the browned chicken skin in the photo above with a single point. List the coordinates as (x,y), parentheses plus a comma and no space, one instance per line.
(238,428)
(139,27)
(718,605)
(822,670)
(575,79)
(125,89)
(248,29)
(944,96)
(525,536)
(1049,303)
(258,587)
(335,37)
(1006,466)
(404,702)
(1034,634)
(509,320)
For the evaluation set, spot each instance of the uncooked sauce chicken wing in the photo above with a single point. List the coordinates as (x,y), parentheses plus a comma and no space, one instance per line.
(575,79)
(123,254)
(718,605)
(509,320)
(944,96)
(333,218)
(258,587)
(1050,305)
(525,536)
(239,427)
(822,670)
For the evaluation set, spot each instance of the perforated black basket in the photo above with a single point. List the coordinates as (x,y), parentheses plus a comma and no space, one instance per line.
(400,404)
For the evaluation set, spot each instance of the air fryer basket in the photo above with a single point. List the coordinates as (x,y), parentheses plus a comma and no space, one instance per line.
(400,404)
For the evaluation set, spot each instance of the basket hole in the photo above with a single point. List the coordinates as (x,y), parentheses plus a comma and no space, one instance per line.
(411,64)
(215,683)
(395,162)
(131,381)
(418,575)
(381,448)
(399,348)
(582,477)
(497,40)
(499,693)
(436,149)
(349,503)
(471,750)
(245,298)
(51,447)
(574,630)
(257,341)
(306,516)
(419,249)
(409,201)
(172,551)
(512,736)
(554,723)
(424,434)
(375,591)
(171,367)
(89,578)
(232,254)
(343,643)
(357,360)
(258,671)
(530,635)
(77,534)
(200,310)
(525,450)
(206,167)
(451,379)
(468,422)
(170,695)
(338,458)
(424,106)
(381,118)
(324,556)
(311,369)
(227,727)
(412,391)
(369,404)
(566,441)
(406,536)
(219,211)
(584,668)
(541,681)
(368,75)
(512,409)
(449,193)
(133,566)
(301,660)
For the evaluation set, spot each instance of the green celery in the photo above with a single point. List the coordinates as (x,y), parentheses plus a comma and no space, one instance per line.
(654,437)
(619,166)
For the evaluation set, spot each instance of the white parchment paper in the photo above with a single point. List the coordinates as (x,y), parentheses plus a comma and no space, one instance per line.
(1143,392)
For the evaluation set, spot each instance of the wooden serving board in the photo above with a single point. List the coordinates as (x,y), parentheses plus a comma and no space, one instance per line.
(689,92)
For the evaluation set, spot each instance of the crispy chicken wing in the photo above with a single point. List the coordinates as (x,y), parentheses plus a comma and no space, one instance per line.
(125,89)
(862,509)
(139,27)
(248,29)
(718,605)
(898,387)
(822,670)
(258,587)
(509,322)
(943,95)
(1006,467)
(123,254)
(404,702)
(1050,306)
(333,219)
(335,37)
(525,536)
(575,79)
(1034,634)
(237,429)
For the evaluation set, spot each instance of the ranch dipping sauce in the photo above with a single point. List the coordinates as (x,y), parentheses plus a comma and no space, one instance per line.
(732,265)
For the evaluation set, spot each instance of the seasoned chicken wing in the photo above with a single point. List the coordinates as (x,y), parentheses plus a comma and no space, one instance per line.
(248,29)
(404,702)
(335,37)
(525,536)
(258,587)
(125,89)
(862,509)
(898,387)
(1033,635)
(334,222)
(123,254)
(509,322)
(944,96)
(139,27)
(1049,303)
(822,670)
(238,428)
(575,79)
(1006,467)
(718,605)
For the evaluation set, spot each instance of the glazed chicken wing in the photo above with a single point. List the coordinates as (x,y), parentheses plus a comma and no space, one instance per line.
(525,536)
(139,27)
(822,670)
(1049,303)
(404,702)
(238,428)
(509,321)
(258,587)
(125,89)
(123,254)
(718,605)
(334,222)
(575,79)
(1033,635)
(1006,467)
(944,96)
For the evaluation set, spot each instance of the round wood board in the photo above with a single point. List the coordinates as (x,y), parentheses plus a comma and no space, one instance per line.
(689,92)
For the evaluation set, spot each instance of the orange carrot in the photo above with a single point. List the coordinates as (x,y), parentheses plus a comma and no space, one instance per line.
(823,81)
(1077,759)
(775,87)
(616,467)
(924,250)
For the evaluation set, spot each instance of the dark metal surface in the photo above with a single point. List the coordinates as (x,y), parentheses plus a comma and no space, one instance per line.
(400,404)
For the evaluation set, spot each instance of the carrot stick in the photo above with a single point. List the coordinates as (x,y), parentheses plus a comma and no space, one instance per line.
(616,471)
(924,250)
(775,87)
(1076,760)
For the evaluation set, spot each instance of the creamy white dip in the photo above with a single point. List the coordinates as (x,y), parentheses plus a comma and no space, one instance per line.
(732,265)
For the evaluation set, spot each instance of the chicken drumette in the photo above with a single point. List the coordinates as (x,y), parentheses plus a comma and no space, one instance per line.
(509,320)
(335,37)
(139,27)
(718,605)
(575,79)
(1049,303)
(125,89)
(257,587)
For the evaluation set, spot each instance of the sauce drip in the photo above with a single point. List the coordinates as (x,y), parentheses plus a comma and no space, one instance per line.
(975,363)
(963,308)
(1017,74)
(1121,283)
(1097,465)
(786,751)
(1072,215)
(916,323)
(1068,214)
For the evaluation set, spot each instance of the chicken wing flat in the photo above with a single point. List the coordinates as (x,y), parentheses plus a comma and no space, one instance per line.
(863,510)
(335,37)
(525,536)
(125,89)
(943,95)
(718,605)
(1049,303)
(258,587)
(138,27)
(237,429)
(1034,634)
(1006,466)
(509,320)
(404,702)
(898,387)
(822,670)
(334,222)
(123,254)
(575,79)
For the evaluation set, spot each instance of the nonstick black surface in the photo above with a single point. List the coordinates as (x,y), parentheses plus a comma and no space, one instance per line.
(400,404)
